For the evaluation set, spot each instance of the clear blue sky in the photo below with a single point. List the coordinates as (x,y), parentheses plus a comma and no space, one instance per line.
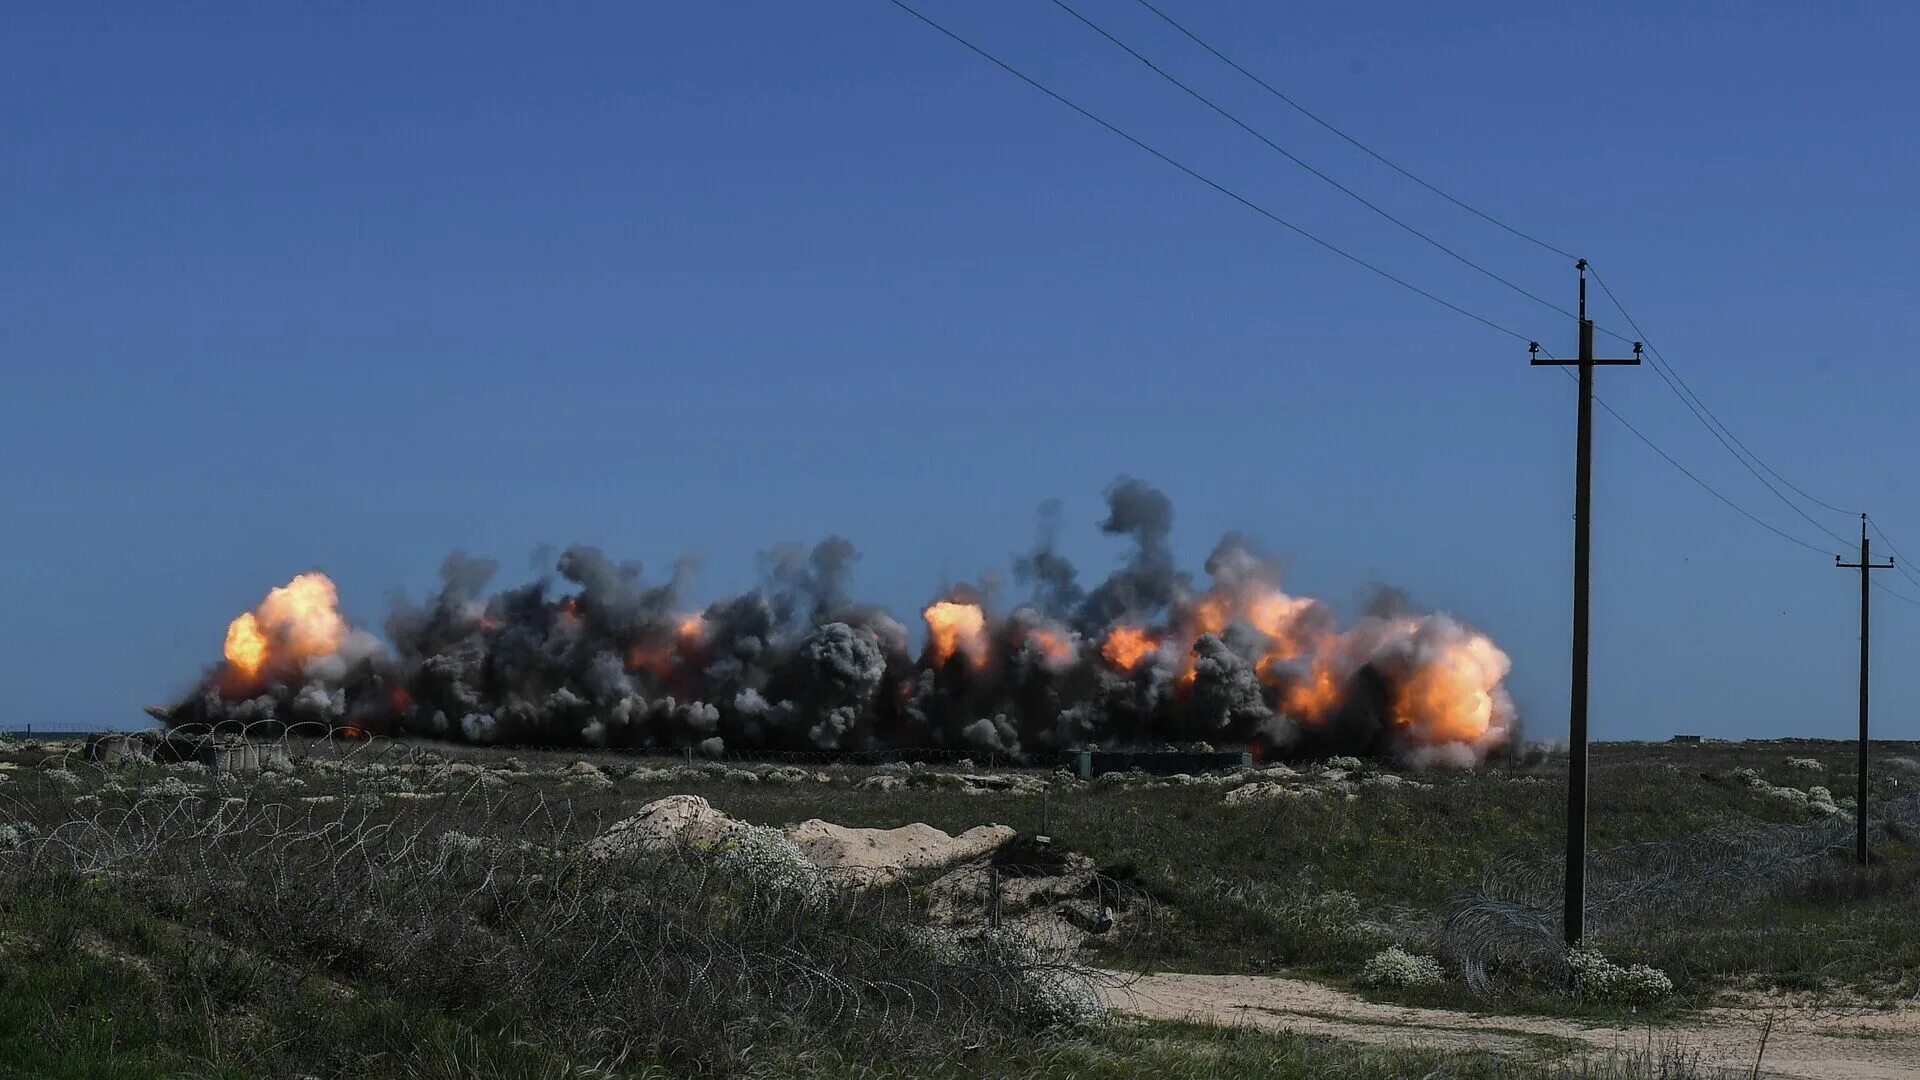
(290,286)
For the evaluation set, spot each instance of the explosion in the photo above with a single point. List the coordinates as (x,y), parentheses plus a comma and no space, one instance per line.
(1147,656)
(1126,646)
(956,626)
(296,622)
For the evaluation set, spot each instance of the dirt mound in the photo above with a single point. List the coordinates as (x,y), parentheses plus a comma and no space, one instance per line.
(867,857)
(663,823)
(859,858)
(1056,899)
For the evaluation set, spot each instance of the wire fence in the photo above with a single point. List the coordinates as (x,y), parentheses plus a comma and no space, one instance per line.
(1514,922)
(466,892)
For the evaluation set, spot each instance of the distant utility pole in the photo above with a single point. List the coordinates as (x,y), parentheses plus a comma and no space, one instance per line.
(1576,890)
(1866,566)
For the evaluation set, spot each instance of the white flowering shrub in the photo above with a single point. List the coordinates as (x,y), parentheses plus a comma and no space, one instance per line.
(1594,977)
(462,843)
(1061,999)
(12,836)
(63,776)
(1805,764)
(1396,967)
(771,860)
(170,787)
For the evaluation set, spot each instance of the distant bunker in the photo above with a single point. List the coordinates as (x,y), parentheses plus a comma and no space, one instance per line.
(220,754)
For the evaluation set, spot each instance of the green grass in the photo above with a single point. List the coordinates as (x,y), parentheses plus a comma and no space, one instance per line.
(97,979)
(1319,885)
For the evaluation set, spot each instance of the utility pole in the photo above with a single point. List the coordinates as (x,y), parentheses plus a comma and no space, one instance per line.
(1575,918)
(1866,566)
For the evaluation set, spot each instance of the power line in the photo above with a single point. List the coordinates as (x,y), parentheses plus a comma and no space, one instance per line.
(1714,425)
(1895,595)
(1665,370)
(1689,474)
(1368,150)
(1204,179)
(1290,156)
(1899,557)
(1328,245)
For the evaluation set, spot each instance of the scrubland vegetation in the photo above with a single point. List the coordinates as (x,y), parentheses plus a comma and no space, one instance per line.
(429,911)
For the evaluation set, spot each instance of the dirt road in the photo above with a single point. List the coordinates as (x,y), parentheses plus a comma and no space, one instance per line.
(1802,1045)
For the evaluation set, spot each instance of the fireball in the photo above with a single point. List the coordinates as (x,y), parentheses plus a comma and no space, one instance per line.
(954,626)
(297,621)
(1127,645)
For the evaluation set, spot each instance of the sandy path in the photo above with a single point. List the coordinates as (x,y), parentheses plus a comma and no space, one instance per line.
(1803,1045)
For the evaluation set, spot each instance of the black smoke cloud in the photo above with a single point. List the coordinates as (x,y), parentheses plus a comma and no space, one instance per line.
(591,653)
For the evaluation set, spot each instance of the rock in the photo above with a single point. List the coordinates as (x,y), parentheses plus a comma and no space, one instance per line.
(868,857)
(977,783)
(663,823)
(1389,781)
(1261,791)
(882,783)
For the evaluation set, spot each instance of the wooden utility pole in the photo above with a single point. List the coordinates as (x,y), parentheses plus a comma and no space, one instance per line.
(1866,566)
(1575,919)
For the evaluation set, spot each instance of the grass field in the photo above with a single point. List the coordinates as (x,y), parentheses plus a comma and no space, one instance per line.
(232,951)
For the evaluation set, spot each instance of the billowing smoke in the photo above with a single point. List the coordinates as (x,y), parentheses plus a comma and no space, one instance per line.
(593,653)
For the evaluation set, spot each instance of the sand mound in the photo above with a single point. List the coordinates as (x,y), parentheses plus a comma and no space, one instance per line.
(856,857)
(877,856)
(663,823)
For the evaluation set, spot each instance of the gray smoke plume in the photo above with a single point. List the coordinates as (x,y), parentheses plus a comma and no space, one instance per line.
(592,653)
(1146,584)
(1052,578)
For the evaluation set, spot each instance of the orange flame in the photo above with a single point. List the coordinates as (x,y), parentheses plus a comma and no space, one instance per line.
(1210,615)
(1449,698)
(246,647)
(1277,615)
(1127,645)
(688,635)
(953,626)
(1314,699)
(1054,646)
(297,621)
